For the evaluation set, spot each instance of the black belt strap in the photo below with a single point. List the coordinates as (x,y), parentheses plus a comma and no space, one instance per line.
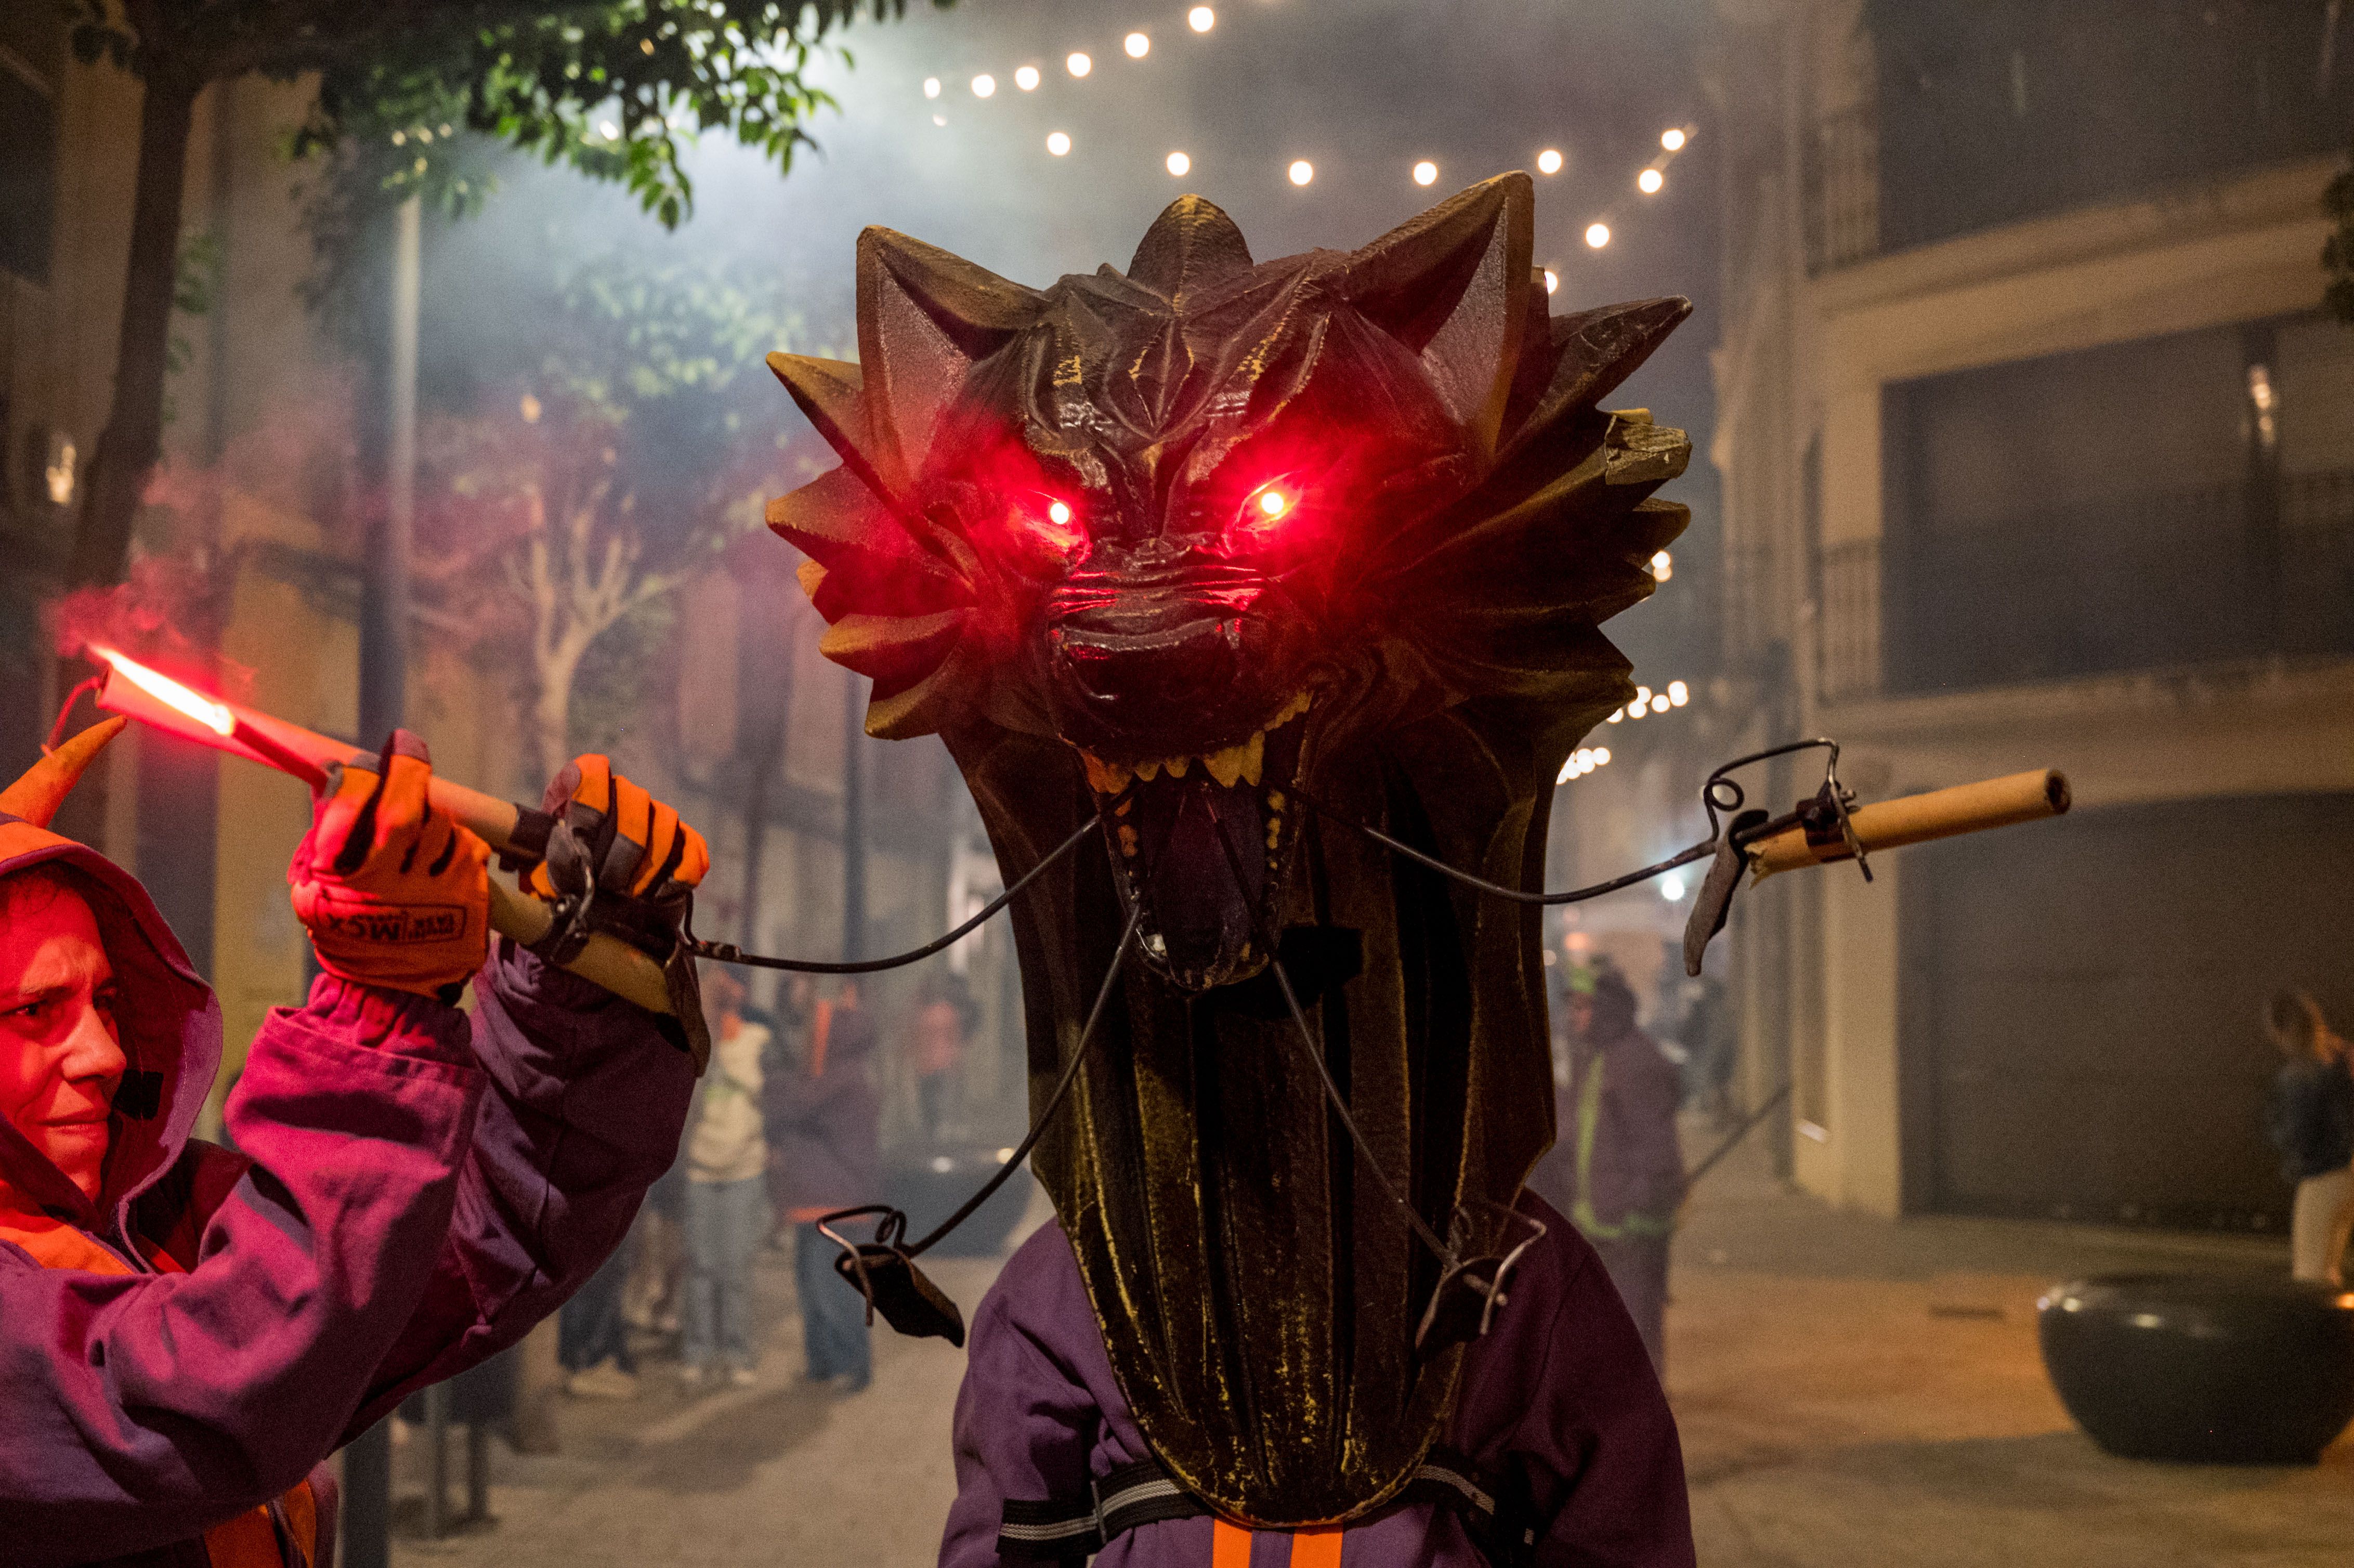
(1072,1529)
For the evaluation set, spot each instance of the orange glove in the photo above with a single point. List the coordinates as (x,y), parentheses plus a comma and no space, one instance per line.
(394,894)
(627,842)
(619,861)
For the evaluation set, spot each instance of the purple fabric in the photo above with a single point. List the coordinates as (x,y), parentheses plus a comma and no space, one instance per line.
(1561,1387)
(378,1129)
(824,1130)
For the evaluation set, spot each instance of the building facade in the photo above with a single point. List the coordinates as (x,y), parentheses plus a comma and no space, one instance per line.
(2038,450)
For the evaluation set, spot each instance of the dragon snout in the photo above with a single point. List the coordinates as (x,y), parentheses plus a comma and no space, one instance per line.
(1148,682)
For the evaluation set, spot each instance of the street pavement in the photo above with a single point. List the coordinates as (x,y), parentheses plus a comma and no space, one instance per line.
(1851,1391)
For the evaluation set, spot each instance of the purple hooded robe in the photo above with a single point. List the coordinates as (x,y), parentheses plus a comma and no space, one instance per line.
(414,1190)
(1560,1390)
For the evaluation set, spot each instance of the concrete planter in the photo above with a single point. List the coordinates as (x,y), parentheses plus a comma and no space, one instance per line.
(2202,1369)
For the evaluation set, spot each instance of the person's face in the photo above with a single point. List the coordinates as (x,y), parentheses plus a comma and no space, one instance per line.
(61,1051)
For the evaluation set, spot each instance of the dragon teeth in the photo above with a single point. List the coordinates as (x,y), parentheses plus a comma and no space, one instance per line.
(1244,762)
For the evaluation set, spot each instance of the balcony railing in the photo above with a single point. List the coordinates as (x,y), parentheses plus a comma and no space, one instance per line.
(1842,176)
(2162,580)
(1847,642)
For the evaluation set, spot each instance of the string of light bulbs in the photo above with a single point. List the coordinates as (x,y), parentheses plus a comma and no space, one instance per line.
(1028,78)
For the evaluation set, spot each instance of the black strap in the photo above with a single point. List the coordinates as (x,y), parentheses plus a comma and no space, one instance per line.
(1495,1510)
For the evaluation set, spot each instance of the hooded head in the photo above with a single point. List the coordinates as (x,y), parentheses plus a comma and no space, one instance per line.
(110,1040)
(1184,549)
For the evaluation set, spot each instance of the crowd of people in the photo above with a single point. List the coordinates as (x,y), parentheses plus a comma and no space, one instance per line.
(784,1130)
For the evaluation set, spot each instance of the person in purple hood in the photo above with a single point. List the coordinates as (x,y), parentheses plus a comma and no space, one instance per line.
(186,1333)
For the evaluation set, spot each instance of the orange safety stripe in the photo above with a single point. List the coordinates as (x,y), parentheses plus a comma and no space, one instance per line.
(1230,1545)
(1316,1548)
(248,1541)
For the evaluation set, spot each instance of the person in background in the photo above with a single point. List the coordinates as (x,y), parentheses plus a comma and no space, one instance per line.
(657,1246)
(593,1339)
(942,1019)
(727,1160)
(2310,1119)
(786,1059)
(1615,1167)
(829,1116)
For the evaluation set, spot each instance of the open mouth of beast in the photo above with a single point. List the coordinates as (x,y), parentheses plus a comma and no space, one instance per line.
(1200,842)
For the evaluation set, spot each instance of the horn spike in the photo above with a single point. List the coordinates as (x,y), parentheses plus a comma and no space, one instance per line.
(37,795)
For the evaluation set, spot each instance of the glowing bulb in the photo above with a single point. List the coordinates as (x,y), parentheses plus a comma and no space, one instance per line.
(1426,172)
(1057,143)
(982,86)
(1671,887)
(529,410)
(1601,756)
(931,86)
(1201,18)
(1663,566)
(1598,234)
(1026,79)
(1679,694)
(1061,513)
(1136,45)
(1673,139)
(1659,704)
(1302,171)
(1568,771)
(1642,700)
(1274,503)
(940,118)
(1549,161)
(1553,279)
(1615,716)
(1078,64)
(1179,165)
(1650,181)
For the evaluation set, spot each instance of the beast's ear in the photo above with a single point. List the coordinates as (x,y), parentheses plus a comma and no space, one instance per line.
(925,318)
(827,391)
(1190,245)
(1453,286)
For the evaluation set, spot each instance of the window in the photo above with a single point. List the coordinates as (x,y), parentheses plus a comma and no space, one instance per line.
(2165,502)
(29,58)
(1995,111)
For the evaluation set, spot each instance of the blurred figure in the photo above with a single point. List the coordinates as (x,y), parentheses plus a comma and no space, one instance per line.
(657,1248)
(787,1058)
(727,1159)
(943,1018)
(2310,1119)
(1615,1168)
(826,1152)
(593,1337)
(1708,1033)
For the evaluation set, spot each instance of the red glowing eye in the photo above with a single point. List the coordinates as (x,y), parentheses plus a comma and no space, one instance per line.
(1274,503)
(1060,514)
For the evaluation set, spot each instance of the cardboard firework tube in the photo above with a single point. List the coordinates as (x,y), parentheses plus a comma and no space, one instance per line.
(1916,819)
(138,693)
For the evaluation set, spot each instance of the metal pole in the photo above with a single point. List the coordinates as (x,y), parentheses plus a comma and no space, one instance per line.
(478,1472)
(437,1430)
(853,820)
(383,682)
(383,610)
